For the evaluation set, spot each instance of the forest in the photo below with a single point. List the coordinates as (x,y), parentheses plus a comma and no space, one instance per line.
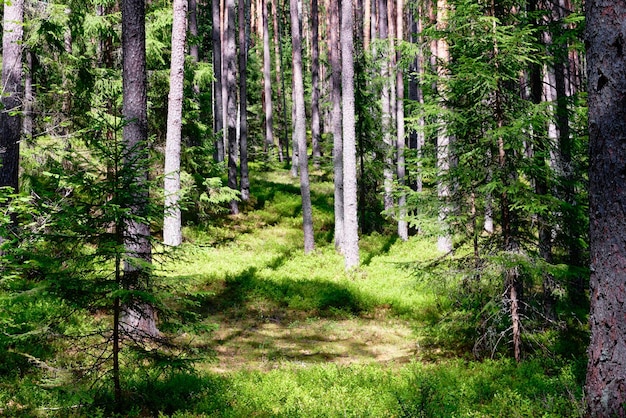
(307,208)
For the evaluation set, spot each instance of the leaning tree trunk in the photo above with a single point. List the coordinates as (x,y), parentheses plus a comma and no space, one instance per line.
(351,225)
(335,65)
(300,129)
(605,390)
(10,120)
(172,222)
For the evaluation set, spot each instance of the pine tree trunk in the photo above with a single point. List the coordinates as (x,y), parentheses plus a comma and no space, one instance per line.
(267,87)
(300,128)
(605,389)
(10,120)
(194,50)
(383,34)
(138,317)
(351,225)
(218,109)
(280,80)
(230,66)
(403,228)
(172,222)
(243,103)
(335,65)
(316,135)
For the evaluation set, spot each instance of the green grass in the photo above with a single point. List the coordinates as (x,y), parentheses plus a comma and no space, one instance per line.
(281,334)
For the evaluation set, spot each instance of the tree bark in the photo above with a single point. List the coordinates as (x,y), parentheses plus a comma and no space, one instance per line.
(10,120)
(218,109)
(300,129)
(605,390)
(351,225)
(230,65)
(243,103)
(403,228)
(316,135)
(194,50)
(172,222)
(335,65)
(267,87)
(383,34)
(138,318)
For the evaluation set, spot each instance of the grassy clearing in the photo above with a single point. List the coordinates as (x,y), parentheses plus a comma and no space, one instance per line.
(289,335)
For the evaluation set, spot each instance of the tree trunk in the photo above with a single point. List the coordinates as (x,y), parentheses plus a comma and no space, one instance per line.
(172,222)
(218,109)
(194,50)
(383,34)
(605,390)
(243,103)
(335,92)
(316,135)
(29,97)
(10,120)
(351,225)
(300,129)
(267,87)
(403,227)
(444,242)
(138,317)
(280,80)
(230,52)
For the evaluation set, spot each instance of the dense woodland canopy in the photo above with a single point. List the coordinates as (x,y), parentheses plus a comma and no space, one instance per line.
(128,127)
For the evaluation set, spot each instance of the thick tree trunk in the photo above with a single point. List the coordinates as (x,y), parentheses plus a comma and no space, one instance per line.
(605,390)
(300,129)
(172,222)
(10,120)
(316,134)
(243,103)
(230,66)
(267,87)
(218,104)
(351,225)
(138,318)
(335,92)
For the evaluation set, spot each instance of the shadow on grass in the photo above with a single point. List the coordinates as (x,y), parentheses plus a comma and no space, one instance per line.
(376,252)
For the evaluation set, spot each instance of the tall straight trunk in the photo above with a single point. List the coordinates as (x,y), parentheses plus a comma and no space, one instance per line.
(444,242)
(10,120)
(300,128)
(367,24)
(316,135)
(403,227)
(605,389)
(172,222)
(138,317)
(230,66)
(194,50)
(280,80)
(351,225)
(383,34)
(285,137)
(218,103)
(335,91)
(243,103)
(267,86)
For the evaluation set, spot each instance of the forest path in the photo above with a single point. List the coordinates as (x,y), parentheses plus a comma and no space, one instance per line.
(274,306)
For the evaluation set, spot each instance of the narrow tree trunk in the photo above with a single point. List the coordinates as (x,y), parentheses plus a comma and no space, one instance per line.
(285,137)
(218,109)
(316,135)
(138,317)
(351,225)
(403,227)
(267,87)
(230,52)
(280,79)
(300,129)
(29,97)
(172,222)
(335,66)
(605,389)
(10,120)
(194,50)
(243,103)
(383,34)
